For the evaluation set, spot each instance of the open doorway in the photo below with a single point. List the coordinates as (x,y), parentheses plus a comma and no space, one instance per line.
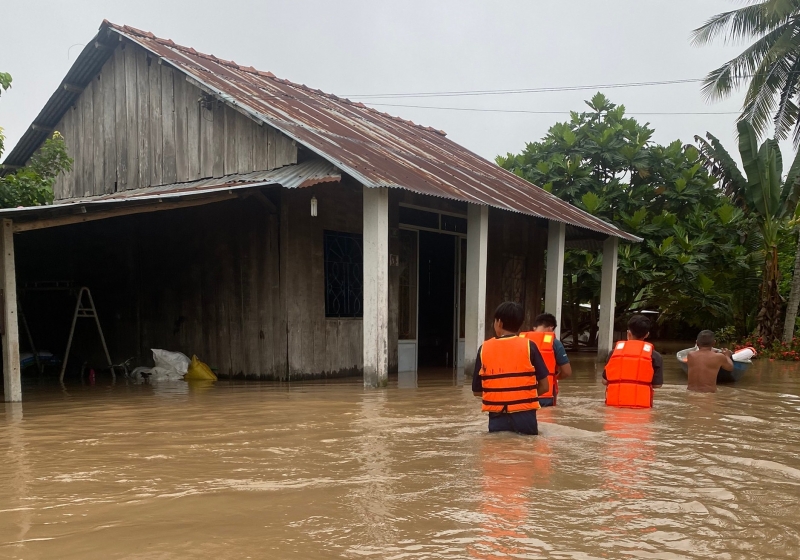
(437,275)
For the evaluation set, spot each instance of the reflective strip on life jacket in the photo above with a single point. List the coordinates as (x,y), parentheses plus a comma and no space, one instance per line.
(629,373)
(544,342)
(507,376)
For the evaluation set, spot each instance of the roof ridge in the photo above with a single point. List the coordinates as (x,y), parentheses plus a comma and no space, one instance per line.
(262,74)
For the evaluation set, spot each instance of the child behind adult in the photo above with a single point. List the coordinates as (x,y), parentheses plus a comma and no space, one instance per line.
(705,363)
(634,368)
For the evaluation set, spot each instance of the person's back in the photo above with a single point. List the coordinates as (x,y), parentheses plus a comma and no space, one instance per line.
(634,368)
(705,363)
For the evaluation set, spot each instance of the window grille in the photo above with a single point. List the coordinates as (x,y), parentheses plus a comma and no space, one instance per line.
(344,260)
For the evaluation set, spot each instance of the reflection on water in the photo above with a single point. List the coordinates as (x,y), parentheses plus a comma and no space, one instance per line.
(329,470)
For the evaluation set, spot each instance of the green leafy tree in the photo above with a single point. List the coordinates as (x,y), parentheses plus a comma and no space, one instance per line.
(606,163)
(769,67)
(769,198)
(32,185)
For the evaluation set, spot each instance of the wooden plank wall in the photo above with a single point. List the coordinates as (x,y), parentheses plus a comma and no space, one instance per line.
(201,280)
(512,234)
(318,345)
(140,123)
(209,280)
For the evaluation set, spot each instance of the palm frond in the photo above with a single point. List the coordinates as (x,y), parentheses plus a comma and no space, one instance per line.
(721,82)
(743,23)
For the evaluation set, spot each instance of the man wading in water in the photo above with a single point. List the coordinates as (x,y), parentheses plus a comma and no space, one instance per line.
(510,374)
(705,363)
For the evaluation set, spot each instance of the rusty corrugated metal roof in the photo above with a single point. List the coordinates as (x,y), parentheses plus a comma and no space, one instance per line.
(375,148)
(291,177)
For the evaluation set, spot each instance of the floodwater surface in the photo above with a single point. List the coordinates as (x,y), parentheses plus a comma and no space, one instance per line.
(331,470)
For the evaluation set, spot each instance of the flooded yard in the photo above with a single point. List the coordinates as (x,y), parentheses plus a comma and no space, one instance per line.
(331,470)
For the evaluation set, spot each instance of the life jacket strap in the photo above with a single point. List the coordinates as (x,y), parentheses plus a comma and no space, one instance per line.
(632,382)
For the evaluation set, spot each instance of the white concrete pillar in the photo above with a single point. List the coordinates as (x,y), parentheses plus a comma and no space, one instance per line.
(608,299)
(475,312)
(376,287)
(12,384)
(554,283)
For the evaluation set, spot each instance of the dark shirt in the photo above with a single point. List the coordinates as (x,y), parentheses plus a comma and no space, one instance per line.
(560,352)
(536,361)
(658,369)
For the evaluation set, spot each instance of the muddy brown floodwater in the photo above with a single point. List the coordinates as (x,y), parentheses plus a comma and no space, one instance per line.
(330,470)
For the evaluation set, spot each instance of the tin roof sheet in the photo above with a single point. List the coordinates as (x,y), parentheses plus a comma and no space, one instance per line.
(291,177)
(375,148)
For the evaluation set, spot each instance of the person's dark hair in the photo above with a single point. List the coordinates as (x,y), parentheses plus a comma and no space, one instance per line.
(705,339)
(639,325)
(545,320)
(511,314)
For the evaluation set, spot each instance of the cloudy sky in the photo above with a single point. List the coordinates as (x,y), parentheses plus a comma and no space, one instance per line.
(356,48)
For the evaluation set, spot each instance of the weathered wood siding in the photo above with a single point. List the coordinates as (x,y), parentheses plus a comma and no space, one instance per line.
(236,284)
(514,239)
(318,345)
(140,123)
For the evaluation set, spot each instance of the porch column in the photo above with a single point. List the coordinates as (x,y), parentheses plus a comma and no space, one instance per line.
(475,312)
(554,284)
(10,334)
(376,287)
(608,299)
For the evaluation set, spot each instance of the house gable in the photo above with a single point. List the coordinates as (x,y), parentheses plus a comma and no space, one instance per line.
(140,123)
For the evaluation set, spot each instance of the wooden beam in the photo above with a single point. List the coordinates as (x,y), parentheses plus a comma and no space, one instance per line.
(230,103)
(114,213)
(263,200)
(42,128)
(10,336)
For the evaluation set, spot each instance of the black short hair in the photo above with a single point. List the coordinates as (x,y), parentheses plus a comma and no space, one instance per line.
(705,339)
(639,325)
(511,314)
(545,320)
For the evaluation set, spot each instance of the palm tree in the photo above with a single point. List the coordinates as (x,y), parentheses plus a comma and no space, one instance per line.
(770,66)
(765,196)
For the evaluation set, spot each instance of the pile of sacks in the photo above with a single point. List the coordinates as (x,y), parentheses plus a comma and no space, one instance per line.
(174,366)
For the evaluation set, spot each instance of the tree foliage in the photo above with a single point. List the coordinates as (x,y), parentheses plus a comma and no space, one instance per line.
(692,265)
(32,185)
(768,198)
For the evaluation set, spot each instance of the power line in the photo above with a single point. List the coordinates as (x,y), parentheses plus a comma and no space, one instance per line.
(524,111)
(480,92)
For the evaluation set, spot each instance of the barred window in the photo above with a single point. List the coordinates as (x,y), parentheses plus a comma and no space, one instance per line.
(344,260)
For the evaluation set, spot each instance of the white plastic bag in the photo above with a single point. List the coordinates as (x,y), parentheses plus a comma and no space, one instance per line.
(170,366)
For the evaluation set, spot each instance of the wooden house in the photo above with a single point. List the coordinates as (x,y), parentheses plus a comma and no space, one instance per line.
(276,231)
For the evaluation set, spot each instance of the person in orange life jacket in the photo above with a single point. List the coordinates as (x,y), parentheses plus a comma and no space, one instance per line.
(509,374)
(553,352)
(634,368)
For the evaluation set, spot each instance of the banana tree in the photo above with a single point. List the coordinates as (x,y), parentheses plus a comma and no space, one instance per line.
(767,197)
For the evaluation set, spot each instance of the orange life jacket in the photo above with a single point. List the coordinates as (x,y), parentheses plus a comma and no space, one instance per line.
(507,376)
(629,373)
(544,342)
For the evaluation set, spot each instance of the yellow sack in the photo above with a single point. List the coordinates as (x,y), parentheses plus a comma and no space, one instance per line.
(199,370)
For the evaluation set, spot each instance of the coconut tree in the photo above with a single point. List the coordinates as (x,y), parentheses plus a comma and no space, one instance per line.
(769,67)
(767,198)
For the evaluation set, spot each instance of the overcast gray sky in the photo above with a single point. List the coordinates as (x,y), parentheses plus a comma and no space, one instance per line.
(353,47)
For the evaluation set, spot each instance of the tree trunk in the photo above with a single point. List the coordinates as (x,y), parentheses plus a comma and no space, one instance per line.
(769,315)
(794,298)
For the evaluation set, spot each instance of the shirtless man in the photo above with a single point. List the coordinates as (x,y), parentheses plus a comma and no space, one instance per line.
(704,364)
